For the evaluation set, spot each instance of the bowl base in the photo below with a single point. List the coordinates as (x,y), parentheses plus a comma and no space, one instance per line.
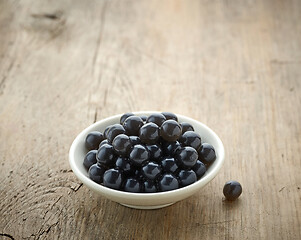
(147,207)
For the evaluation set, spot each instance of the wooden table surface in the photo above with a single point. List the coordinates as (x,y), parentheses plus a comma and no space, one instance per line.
(233,65)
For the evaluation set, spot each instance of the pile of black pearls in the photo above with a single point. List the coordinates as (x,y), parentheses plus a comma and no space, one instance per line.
(147,154)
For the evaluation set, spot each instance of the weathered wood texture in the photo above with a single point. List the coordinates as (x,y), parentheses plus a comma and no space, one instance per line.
(234,65)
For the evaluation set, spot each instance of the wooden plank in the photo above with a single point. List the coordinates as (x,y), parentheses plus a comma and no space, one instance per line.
(234,65)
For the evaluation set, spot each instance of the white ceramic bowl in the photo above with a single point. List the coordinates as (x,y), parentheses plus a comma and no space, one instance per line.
(145,200)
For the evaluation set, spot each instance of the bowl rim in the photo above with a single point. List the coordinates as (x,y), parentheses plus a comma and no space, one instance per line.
(129,195)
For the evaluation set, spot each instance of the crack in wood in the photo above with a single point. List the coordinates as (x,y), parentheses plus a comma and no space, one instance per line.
(99,39)
(199,224)
(281,62)
(95,115)
(105,97)
(52,206)
(153,58)
(41,232)
(45,231)
(7,235)
(51,16)
(76,188)
(212,223)
(221,222)
(241,221)
(2,83)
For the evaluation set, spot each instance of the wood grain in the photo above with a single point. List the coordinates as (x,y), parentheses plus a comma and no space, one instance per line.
(234,65)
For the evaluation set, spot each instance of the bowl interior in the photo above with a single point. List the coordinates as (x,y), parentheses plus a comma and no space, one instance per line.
(78,152)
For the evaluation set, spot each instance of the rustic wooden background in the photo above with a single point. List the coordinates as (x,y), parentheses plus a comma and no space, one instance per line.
(233,65)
